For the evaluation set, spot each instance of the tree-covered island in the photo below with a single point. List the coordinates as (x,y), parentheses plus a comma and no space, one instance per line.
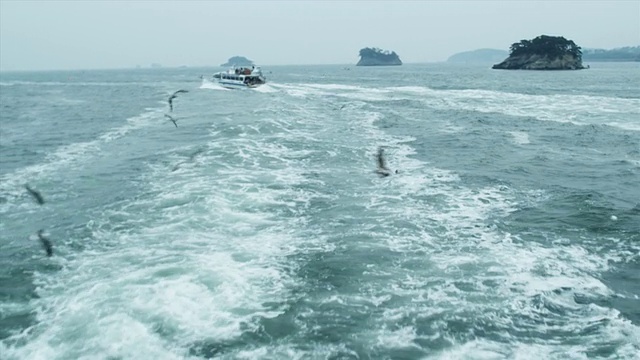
(238,61)
(378,57)
(543,53)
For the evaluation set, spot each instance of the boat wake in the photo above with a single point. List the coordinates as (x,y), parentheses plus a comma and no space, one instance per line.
(206,84)
(260,230)
(265,89)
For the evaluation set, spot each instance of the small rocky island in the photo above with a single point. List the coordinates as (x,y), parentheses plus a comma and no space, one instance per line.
(378,57)
(543,53)
(238,61)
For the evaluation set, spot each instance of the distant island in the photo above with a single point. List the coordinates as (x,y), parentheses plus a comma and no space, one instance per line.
(480,56)
(238,61)
(543,53)
(627,53)
(378,57)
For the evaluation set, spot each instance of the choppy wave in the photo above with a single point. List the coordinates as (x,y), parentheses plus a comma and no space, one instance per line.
(68,156)
(71,82)
(574,109)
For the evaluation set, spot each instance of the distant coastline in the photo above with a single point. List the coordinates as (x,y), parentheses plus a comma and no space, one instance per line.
(623,54)
(479,56)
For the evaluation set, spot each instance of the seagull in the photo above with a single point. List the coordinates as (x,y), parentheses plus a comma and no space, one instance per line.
(46,243)
(383,170)
(173,96)
(35,194)
(172,120)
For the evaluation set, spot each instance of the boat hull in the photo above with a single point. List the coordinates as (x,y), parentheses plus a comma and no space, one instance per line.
(236,85)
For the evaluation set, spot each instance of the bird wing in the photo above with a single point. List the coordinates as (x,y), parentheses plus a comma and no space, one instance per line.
(178,92)
(171,119)
(35,194)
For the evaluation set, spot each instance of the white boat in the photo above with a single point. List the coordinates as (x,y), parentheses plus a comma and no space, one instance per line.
(242,77)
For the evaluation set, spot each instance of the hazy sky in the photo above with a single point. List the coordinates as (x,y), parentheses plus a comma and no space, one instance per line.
(38,35)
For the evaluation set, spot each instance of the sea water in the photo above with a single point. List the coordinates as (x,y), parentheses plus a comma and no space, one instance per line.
(258,228)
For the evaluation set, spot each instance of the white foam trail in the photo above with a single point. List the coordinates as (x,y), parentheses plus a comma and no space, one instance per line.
(200,257)
(574,109)
(206,84)
(398,339)
(559,108)
(520,137)
(266,88)
(347,87)
(205,254)
(505,274)
(625,126)
(298,90)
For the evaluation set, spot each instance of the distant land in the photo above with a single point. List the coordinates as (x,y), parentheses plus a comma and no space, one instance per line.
(378,57)
(480,56)
(627,53)
(238,61)
(543,53)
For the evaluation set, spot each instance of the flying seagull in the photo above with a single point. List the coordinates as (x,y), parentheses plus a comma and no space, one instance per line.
(175,95)
(36,195)
(46,243)
(172,120)
(382,170)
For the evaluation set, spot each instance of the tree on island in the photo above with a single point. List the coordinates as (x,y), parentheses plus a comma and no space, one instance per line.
(551,46)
